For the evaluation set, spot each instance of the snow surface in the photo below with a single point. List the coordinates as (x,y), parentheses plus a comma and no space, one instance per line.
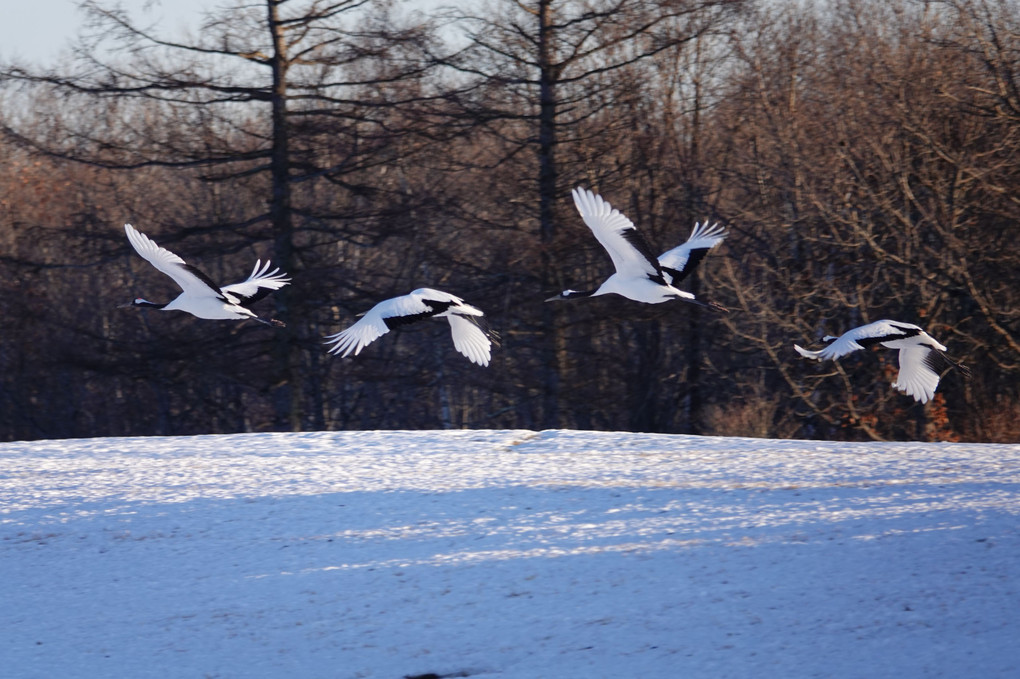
(510,554)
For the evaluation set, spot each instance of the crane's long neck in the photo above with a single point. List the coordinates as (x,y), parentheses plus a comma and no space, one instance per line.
(571,294)
(147,303)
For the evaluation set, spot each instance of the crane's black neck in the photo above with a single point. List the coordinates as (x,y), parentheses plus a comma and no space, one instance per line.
(148,304)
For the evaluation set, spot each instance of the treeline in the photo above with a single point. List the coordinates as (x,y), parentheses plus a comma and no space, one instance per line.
(864,154)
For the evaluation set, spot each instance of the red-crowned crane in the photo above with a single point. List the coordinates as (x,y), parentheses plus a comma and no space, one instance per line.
(639,275)
(919,354)
(471,336)
(200,296)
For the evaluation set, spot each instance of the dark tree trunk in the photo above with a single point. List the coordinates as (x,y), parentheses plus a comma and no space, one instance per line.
(547,201)
(287,396)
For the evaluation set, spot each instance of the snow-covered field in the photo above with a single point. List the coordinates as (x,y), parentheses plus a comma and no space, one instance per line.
(507,554)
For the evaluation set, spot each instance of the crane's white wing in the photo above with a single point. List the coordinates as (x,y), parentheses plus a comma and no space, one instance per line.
(684,258)
(839,347)
(258,284)
(378,321)
(470,339)
(630,253)
(419,296)
(368,329)
(917,376)
(192,281)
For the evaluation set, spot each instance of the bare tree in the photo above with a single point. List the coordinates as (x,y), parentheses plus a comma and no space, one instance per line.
(270,99)
(543,78)
(861,211)
(862,153)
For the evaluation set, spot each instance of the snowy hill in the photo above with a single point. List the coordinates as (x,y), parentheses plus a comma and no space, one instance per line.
(510,554)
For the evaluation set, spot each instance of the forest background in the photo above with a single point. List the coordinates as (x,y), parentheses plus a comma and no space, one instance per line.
(862,153)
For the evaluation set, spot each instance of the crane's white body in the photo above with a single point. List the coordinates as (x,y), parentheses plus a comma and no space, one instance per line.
(639,275)
(200,296)
(917,376)
(470,338)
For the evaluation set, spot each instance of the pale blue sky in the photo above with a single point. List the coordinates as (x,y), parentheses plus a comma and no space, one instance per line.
(39,30)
